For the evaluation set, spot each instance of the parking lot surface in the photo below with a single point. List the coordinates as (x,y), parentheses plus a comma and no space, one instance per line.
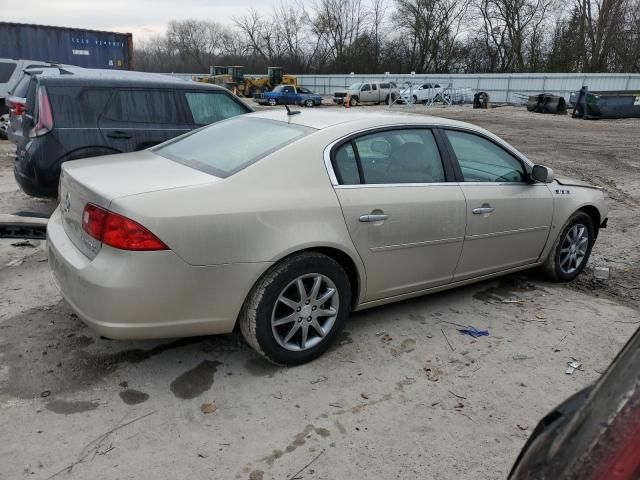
(402,395)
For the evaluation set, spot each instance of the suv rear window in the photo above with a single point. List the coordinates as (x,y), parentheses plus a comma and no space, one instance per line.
(6,70)
(223,148)
(209,107)
(144,106)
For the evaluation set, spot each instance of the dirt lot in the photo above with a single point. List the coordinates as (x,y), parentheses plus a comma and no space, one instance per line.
(403,395)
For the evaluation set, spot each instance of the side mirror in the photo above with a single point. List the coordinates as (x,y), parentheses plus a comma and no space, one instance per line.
(543,174)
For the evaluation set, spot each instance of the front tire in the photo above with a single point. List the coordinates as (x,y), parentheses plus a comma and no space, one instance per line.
(571,250)
(297,309)
(273,102)
(353,101)
(309,103)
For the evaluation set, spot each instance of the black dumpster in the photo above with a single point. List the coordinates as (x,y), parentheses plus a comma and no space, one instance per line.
(608,104)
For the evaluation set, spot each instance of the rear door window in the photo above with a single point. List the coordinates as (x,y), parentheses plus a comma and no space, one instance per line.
(210,107)
(222,149)
(20,90)
(6,70)
(78,107)
(145,106)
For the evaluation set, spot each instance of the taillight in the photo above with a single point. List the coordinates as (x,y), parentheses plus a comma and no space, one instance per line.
(44,123)
(118,231)
(16,108)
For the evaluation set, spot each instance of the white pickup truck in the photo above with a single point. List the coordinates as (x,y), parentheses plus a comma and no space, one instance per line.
(376,92)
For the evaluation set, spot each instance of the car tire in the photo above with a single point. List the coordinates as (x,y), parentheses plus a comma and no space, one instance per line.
(273,102)
(353,101)
(571,250)
(276,297)
(388,100)
(309,103)
(4,124)
(415,100)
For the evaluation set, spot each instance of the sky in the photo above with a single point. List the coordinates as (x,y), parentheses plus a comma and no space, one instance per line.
(143,18)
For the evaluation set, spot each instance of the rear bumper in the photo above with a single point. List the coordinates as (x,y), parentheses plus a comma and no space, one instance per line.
(135,295)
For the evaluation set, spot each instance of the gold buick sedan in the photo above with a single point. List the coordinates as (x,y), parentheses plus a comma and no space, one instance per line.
(284,223)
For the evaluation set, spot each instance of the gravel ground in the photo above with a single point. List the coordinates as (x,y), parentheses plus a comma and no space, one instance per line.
(403,394)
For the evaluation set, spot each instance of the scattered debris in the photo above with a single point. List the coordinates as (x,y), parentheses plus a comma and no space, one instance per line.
(387,338)
(511,300)
(26,243)
(523,427)
(456,395)
(203,455)
(541,316)
(45,394)
(319,380)
(295,475)
(336,405)
(433,374)
(572,367)
(520,356)
(16,262)
(601,274)
(365,395)
(208,408)
(474,332)
(448,342)
(379,334)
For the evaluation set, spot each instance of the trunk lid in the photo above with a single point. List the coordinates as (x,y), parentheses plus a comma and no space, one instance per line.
(99,180)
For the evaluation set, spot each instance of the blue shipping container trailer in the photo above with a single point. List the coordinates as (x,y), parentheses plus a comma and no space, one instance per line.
(72,46)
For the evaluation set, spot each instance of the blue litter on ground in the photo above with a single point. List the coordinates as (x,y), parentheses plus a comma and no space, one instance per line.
(474,332)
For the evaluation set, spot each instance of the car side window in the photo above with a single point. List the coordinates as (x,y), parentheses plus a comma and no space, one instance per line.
(391,156)
(144,106)
(345,165)
(78,108)
(374,86)
(304,90)
(366,87)
(209,107)
(483,161)
(287,89)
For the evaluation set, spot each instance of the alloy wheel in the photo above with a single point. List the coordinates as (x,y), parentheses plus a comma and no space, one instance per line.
(305,312)
(574,248)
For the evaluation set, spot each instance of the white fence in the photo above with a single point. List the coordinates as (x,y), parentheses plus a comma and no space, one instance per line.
(509,88)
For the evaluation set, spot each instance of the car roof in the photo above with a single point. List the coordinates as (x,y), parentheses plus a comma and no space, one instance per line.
(98,77)
(319,119)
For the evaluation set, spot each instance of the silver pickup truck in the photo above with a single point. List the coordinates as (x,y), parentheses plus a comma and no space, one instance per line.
(376,92)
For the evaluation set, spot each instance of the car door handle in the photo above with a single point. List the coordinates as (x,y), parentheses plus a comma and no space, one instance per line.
(482,210)
(373,217)
(118,134)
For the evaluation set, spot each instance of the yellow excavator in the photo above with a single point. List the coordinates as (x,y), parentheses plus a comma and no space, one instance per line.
(234,79)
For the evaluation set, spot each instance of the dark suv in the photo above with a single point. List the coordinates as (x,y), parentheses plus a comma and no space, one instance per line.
(98,112)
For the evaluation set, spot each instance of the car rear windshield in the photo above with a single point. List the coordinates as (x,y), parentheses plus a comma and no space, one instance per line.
(231,145)
(20,90)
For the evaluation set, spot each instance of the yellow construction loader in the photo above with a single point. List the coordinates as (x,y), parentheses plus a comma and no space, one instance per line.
(234,79)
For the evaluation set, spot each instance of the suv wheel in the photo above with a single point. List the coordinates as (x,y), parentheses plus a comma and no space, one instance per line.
(571,249)
(273,102)
(309,103)
(297,309)
(4,125)
(353,101)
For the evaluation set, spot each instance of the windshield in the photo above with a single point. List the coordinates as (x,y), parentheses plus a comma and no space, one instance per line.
(224,148)
(355,86)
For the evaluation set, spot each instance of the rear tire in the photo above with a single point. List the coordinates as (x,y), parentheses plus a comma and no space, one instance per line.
(288,327)
(4,123)
(570,252)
